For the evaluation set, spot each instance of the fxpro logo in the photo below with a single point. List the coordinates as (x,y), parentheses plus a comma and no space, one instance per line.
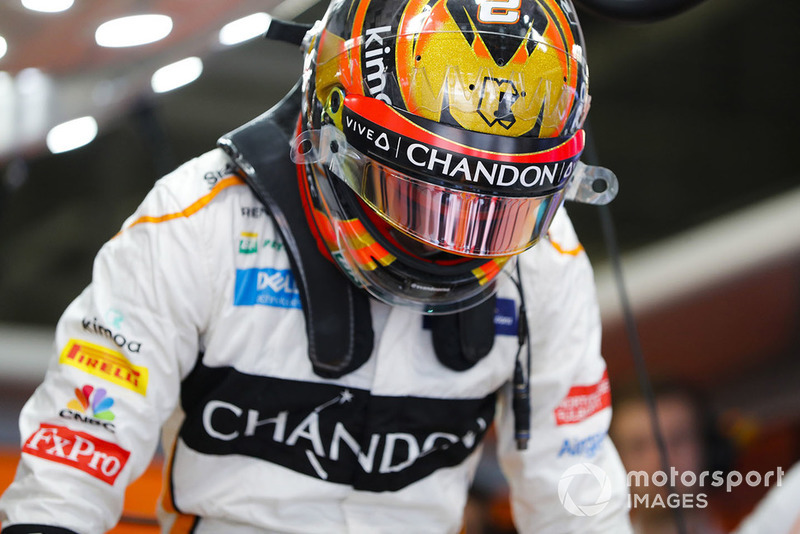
(96,457)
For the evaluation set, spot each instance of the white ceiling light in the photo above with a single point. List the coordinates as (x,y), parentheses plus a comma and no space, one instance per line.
(176,74)
(133,31)
(3,46)
(243,29)
(48,6)
(71,134)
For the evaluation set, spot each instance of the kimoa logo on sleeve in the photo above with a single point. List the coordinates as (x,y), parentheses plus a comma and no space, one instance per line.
(105,363)
(98,458)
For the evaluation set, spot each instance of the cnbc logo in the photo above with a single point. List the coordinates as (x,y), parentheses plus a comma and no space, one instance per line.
(91,406)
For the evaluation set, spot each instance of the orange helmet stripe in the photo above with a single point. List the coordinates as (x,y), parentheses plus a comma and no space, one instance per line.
(564,33)
(489,270)
(366,249)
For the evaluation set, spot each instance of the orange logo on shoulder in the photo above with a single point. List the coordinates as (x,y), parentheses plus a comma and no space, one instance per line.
(105,363)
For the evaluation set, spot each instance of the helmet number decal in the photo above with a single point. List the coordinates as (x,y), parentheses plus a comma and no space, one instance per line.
(499,11)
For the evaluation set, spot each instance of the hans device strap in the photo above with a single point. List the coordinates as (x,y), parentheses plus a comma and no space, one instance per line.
(337,315)
(462,339)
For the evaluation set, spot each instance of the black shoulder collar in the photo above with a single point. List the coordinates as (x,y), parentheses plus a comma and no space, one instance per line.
(337,314)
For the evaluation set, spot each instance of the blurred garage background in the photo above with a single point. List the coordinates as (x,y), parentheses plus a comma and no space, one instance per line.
(697,115)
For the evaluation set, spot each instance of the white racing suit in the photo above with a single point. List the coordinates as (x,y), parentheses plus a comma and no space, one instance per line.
(192,324)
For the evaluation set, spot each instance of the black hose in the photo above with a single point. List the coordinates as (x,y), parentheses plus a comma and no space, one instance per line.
(637,10)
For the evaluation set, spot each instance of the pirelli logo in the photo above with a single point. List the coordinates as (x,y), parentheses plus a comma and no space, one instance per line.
(105,363)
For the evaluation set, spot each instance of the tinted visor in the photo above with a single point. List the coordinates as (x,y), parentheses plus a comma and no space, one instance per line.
(468,223)
(463,192)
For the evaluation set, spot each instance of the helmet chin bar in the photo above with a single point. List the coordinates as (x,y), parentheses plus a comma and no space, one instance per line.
(416,247)
(419,284)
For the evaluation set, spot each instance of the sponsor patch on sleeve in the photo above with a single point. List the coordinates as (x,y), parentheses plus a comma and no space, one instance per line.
(91,406)
(505,317)
(587,446)
(506,322)
(583,401)
(105,363)
(98,458)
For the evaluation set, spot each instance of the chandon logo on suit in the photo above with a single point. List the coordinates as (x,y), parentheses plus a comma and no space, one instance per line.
(330,432)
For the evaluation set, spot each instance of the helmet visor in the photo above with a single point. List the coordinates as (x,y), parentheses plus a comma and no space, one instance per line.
(467,223)
(464,197)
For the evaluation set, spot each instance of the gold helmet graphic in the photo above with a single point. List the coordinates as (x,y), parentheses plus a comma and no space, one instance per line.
(437,139)
(510,67)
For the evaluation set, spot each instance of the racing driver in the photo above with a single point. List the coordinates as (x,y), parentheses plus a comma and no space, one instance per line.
(320,318)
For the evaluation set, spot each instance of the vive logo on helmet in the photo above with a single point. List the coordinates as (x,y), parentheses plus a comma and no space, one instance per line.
(497,98)
(375,55)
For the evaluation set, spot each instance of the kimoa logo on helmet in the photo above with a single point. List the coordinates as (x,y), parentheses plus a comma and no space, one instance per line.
(375,64)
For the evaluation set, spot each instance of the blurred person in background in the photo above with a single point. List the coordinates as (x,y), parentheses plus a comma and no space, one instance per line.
(322,316)
(692,445)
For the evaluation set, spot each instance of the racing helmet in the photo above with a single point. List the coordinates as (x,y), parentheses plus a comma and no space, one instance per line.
(437,139)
